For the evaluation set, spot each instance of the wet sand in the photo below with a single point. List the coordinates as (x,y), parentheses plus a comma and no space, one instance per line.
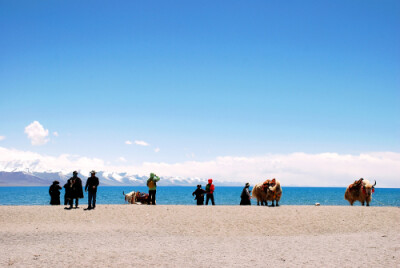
(190,236)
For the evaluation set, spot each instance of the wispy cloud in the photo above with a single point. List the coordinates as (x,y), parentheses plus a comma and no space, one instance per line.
(325,169)
(122,159)
(141,143)
(156,150)
(128,142)
(2,138)
(55,133)
(36,133)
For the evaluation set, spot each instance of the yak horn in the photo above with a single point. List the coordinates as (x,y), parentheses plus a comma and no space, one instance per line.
(374,184)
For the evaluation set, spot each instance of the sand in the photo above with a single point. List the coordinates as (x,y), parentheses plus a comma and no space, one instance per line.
(190,236)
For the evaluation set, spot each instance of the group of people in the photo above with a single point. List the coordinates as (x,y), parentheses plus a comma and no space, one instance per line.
(209,192)
(74,191)
(199,193)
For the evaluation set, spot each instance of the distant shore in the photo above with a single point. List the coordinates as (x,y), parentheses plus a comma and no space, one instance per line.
(190,236)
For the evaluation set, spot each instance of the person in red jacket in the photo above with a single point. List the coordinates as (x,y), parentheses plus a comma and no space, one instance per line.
(210,192)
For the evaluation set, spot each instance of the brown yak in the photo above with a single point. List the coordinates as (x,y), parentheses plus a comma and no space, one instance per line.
(270,190)
(274,191)
(361,191)
(259,193)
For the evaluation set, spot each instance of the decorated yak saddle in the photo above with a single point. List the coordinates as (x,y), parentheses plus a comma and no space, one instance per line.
(357,185)
(142,197)
(268,186)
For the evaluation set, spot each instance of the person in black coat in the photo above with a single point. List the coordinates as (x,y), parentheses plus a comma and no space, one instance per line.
(68,193)
(54,192)
(245,196)
(91,186)
(74,185)
(199,193)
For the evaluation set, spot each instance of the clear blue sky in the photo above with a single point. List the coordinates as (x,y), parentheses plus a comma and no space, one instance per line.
(200,79)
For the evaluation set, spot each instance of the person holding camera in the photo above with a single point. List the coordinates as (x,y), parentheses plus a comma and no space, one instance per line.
(152,184)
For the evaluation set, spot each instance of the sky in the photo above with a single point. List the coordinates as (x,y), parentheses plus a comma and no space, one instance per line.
(183,84)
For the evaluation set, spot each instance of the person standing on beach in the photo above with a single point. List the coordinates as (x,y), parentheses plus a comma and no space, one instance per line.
(152,184)
(54,192)
(91,187)
(245,196)
(67,194)
(76,192)
(210,192)
(199,193)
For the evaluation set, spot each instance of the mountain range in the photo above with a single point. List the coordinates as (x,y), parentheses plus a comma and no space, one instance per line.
(22,178)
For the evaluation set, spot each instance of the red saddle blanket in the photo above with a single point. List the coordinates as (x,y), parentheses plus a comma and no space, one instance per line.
(142,197)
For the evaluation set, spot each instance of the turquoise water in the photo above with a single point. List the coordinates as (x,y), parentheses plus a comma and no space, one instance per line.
(172,195)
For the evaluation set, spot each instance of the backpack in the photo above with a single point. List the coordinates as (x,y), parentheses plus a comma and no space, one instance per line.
(151,184)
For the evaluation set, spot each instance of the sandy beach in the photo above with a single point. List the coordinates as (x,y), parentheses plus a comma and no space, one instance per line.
(190,236)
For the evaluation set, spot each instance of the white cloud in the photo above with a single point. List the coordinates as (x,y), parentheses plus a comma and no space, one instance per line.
(36,133)
(121,159)
(22,160)
(156,150)
(301,169)
(128,142)
(141,143)
(2,138)
(55,133)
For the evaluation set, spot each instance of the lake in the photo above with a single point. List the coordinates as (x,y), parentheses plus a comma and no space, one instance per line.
(177,195)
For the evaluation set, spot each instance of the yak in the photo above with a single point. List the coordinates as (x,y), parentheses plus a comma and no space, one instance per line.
(361,191)
(130,197)
(259,193)
(274,191)
(136,198)
(270,190)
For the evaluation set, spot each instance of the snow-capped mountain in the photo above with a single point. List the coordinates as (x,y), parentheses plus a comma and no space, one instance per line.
(20,178)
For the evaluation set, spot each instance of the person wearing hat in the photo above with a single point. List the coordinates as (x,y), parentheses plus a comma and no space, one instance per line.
(91,187)
(245,196)
(54,192)
(199,193)
(75,190)
(152,184)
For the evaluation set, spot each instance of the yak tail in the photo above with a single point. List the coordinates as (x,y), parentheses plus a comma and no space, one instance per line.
(123,192)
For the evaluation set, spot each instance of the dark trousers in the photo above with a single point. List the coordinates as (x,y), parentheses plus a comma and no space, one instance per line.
(208,197)
(71,202)
(92,199)
(152,197)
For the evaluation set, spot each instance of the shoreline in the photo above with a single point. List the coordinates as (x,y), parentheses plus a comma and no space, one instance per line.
(83,206)
(194,186)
